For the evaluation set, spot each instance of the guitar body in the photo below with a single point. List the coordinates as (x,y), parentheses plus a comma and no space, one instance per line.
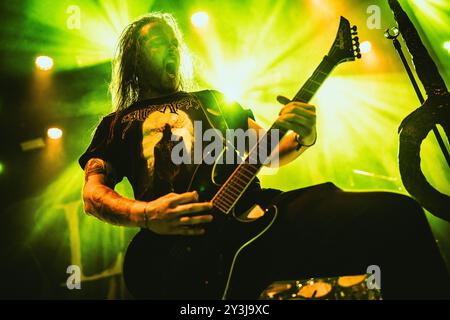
(192,267)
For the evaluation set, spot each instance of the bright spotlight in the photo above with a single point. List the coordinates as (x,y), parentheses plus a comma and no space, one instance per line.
(365,46)
(2,168)
(54,133)
(447,46)
(200,19)
(44,63)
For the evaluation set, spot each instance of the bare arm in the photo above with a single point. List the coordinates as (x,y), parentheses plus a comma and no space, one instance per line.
(170,214)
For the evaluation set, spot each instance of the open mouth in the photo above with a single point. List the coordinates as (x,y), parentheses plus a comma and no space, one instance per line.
(171,69)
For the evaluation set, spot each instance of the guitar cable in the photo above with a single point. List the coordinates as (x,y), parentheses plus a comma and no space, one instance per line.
(245,245)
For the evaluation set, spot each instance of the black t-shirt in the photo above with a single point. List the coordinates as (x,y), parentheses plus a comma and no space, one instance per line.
(136,141)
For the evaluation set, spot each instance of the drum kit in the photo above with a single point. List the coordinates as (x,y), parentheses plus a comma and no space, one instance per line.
(337,288)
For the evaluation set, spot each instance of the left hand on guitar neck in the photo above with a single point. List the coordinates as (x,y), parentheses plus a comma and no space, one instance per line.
(299,117)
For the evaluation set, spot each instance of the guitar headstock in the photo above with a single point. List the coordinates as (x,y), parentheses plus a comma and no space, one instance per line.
(346,45)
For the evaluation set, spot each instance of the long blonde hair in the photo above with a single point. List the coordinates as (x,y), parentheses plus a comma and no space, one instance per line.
(124,86)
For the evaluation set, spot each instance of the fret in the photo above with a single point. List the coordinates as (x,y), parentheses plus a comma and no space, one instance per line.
(230,191)
(240,180)
(229,185)
(216,198)
(309,91)
(315,81)
(244,174)
(304,97)
(220,206)
(255,167)
(235,182)
(234,188)
(225,200)
(320,78)
(227,196)
(311,83)
(244,179)
(219,193)
(226,203)
(319,75)
(226,206)
(252,172)
(247,170)
(217,201)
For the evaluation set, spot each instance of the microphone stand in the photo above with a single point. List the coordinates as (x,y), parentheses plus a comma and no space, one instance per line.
(393,33)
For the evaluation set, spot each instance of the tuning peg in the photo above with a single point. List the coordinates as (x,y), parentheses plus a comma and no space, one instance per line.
(358,56)
(354,33)
(357,49)
(356,39)
(354,28)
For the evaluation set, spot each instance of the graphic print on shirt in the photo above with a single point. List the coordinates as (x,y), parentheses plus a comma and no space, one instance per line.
(157,144)
(163,127)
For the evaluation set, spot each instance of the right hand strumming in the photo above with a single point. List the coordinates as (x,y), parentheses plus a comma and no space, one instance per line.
(177,214)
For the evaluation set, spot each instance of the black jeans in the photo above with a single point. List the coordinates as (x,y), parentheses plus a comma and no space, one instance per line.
(323,231)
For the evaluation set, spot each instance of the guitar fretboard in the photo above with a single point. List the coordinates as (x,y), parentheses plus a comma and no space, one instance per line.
(243,175)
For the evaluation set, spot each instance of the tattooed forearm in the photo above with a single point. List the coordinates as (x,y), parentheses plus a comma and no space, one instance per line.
(99,166)
(95,166)
(111,207)
(103,202)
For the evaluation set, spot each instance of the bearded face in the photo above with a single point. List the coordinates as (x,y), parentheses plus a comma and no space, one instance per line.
(158,59)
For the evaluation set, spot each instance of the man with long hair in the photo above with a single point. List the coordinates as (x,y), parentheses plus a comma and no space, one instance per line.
(320,230)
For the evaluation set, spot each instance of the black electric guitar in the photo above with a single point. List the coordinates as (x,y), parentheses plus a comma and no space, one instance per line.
(181,267)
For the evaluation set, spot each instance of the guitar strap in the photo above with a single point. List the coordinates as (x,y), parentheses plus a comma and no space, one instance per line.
(212,110)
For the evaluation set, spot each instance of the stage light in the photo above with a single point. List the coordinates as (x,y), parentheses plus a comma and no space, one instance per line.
(44,63)
(365,46)
(2,168)
(447,46)
(54,133)
(200,19)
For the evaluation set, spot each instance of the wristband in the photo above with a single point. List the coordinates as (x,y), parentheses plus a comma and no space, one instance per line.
(300,143)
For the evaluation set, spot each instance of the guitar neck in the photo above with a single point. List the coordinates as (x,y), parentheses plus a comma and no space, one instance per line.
(243,175)
(312,85)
